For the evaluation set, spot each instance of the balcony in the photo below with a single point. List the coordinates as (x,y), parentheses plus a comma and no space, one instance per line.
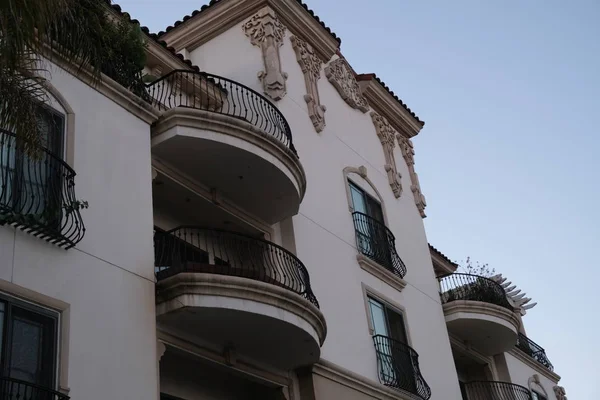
(15,389)
(477,311)
(233,290)
(489,390)
(228,138)
(534,351)
(398,366)
(37,193)
(376,245)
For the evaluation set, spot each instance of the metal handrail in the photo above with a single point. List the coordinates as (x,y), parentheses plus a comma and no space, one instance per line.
(398,366)
(37,193)
(207,250)
(375,241)
(208,92)
(534,350)
(460,286)
(488,390)
(16,389)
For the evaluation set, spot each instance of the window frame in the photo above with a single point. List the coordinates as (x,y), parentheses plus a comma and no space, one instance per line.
(369,292)
(13,301)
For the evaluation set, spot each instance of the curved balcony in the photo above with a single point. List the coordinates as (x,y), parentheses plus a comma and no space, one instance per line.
(477,311)
(230,289)
(533,350)
(376,242)
(490,390)
(398,366)
(229,137)
(37,193)
(15,389)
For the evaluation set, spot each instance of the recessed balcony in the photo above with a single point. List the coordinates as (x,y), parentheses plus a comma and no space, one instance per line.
(398,367)
(37,193)
(230,139)
(534,350)
(477,311)
(22,390)
(231,290)
(491,390)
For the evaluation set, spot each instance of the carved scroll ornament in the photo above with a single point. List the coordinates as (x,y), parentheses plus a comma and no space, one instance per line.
(341,76)
(266,31)
(387,137)
(408,152)
(311,68)
(560,392)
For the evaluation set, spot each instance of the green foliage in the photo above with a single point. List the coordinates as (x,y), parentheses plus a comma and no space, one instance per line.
(82,32)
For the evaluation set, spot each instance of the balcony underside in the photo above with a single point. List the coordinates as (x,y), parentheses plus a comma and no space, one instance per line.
(490,328)
(242,163)
(261,321)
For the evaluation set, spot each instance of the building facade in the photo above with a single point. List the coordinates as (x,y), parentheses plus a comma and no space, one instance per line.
(254,230)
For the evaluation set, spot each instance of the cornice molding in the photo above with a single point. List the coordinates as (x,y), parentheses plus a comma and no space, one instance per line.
(441,264)
(524,358)
(225,14)
(385,104)
(344,377)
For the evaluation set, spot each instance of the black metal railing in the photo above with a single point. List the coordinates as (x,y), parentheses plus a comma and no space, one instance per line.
(15,389)
(204,91)
(376,241)
(490,390)
(534,350)
(37,193)
(205,250)
(398,366)
(472,287)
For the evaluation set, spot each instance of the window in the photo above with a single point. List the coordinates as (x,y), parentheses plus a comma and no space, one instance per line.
(537,396)
(364,203)
(33,184)
(394,356)
(29,335)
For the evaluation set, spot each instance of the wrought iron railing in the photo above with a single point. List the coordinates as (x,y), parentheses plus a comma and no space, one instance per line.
(376,241)
(204,91)
(15,389)
(490,390)
(534,350)
(398,366)
(205,250)
(472,287)
(37,193)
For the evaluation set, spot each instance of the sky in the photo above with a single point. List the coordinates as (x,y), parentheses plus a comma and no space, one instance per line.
(508,158)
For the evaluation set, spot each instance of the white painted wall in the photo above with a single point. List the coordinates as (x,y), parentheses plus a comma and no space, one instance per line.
(324,230)
(521,372)
(107,280)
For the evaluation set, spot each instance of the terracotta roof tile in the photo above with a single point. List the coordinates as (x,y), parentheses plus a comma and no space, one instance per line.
(442,255)
(153,36)
(213,2)
(368,77)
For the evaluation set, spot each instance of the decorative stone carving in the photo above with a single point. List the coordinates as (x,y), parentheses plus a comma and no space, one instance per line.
(311,68)
(408,152)
(341,76)
(266,31)
(387,136)
(560,392)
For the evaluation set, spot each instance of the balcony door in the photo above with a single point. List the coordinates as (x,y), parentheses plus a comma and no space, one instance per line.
(370,227)
(396,364)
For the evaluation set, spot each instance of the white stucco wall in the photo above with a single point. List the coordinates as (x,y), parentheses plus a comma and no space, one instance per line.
(107,280)
(520,373)
(324,230)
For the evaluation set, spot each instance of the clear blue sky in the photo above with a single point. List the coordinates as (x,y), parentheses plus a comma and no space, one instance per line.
(508,158)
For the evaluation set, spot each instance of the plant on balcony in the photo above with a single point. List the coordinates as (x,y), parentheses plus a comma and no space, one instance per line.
(476,268)
(82,32)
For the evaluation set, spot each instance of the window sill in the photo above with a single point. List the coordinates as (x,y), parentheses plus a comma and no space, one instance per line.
(380,272)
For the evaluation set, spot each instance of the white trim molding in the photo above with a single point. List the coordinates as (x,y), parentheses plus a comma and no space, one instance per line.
(539,368)
(380,272)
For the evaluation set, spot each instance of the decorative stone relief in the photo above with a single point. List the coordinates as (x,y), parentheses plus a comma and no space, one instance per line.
(560,392)
(387,136)
(311,68)
(341,76)
(408,152)
(266,31)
